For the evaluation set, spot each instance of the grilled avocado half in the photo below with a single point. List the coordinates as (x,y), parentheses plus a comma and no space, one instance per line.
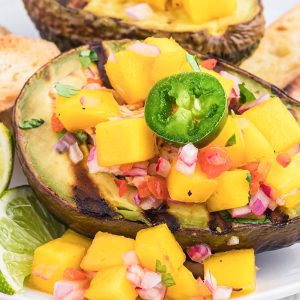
(69,24)
(91,202)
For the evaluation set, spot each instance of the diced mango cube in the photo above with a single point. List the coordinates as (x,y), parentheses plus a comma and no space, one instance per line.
(284,180)
(86,109)
(292,200)
(232,191)
(106,251)
(202,11)
(276,123)
(186,286)
(129,75)
(236,151)
(51,260)
(234,269)
(257,148)
(158,243)
(226,83)
(158,4)
(194,188)
(165,45)
(124,141)
(111,284)
(77,239)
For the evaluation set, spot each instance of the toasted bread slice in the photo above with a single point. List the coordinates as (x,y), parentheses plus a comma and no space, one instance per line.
(277,59)
(20,57)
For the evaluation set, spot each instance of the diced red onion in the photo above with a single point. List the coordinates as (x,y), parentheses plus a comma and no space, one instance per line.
(199,252)
(135,181)
(130,258)
(92,163)
(187,159)
(150,203)
(240,211)
(152,169)
(90,73)
(135,274)
(150,280)
(222,293)
(144,49)
(293,151)
(135,172)
(139,12)
(111,57)
(82,100)
(254,103)
(210,281)
(69,290)
(137,200)
(75,153)
(93,86)
(163,167)
(266,189)
(157,293)
(259,203)
(64,143)
(141,165)
(236,81)
(234,240)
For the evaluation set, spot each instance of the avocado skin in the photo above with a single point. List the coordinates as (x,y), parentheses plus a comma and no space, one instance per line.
(70,28)
(260,237)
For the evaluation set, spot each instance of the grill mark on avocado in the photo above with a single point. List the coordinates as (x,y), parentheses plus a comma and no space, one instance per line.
(161,216)
(87,197)
(102,59)
(277,217)
(217,225)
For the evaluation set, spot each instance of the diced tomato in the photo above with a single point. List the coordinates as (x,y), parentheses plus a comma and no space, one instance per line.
(158,187)
(74,274)
(254,188)
(214,161)
(56,125)
(92,80)
(126,167)
(209,64)
(284,159)
(123,186)
(143,190)
(251,167)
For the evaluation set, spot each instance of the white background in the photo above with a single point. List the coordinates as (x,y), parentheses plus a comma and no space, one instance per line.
(280,270)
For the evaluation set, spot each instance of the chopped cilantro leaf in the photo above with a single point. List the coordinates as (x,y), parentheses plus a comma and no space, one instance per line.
(65,90)
(86,58)
(231,141)
(167,279)
(245,94)
(81,137)
(248,177)
(30,124)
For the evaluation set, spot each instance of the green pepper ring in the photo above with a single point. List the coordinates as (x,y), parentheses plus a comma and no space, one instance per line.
(187,108)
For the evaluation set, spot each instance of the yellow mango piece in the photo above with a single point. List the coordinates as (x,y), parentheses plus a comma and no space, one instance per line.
(226,83)
(276,123)
(232,191)
(284,180)
(234,269)
(98,106)
(237,151)
(50,262)
(165,45)
(111,284)
(257,148)
(106,251)
(158,243)
(195,188)
(124,141)
(292,199)
(158,4)
(186,286)
(202,11)
(129,75)
(77,239)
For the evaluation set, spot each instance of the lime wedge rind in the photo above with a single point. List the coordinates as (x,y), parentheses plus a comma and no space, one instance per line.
(6,157)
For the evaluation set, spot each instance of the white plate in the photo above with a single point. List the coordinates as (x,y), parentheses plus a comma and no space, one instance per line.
(279,274)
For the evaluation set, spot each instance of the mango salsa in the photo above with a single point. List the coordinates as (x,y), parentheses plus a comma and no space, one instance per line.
(234,268)
(86,109)
(158,243)
(124,141)
(276,123)
(129,75)
(158,4)
(77,239)
(195,188)
(232,191)
(50,262)
(186,286)
(111,284)
(106,251)
(202,11)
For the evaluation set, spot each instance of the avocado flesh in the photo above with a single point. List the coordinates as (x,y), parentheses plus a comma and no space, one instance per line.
(233,38)
(164,20)
(54,178)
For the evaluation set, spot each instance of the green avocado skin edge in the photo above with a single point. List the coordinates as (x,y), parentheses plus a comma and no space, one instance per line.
(88,211)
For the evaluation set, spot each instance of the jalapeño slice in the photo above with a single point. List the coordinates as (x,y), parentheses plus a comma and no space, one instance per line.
(187,108)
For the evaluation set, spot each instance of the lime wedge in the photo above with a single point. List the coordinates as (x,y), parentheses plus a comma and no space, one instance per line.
(6,157)
(24,225)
